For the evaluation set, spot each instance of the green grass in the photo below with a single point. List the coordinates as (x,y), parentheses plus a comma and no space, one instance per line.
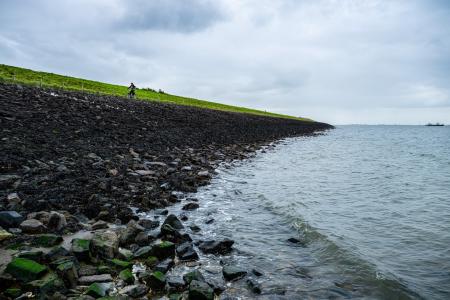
(30,77)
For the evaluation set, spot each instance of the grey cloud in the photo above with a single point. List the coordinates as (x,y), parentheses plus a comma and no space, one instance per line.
(170,15)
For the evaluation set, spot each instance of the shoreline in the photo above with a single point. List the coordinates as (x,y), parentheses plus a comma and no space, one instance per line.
(75,161)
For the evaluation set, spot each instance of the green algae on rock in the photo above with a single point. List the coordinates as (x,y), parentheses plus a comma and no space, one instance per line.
(25,269)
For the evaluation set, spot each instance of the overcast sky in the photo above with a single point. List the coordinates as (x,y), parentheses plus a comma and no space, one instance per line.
(338,61)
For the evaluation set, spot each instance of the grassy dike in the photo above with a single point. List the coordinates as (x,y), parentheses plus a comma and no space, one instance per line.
(36,78)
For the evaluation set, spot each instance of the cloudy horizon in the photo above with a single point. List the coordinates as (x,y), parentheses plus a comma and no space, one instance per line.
(341,62)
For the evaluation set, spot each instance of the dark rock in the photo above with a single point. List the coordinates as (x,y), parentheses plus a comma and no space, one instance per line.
(35,255)
(183,217)
(216,247)
(148,224)
(186,252)
(296,241)
(233,272)
(56,253)
(254,286)
(209,221)
(47,240)
(164,265)
(257,273)
(193,275)
(134,291)
(164,250)
(10,219)
(126,276)
(130,232)
(56,221)
(142,239)
(191,206)
(99,225)
(173,221)
(175,284)
(195,228)
(157,280)
(80,248)
(68,272)
(199,290)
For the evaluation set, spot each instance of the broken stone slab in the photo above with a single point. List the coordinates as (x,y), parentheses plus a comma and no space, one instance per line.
(87,280)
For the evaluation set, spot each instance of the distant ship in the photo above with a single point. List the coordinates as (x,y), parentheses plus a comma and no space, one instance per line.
(436,124)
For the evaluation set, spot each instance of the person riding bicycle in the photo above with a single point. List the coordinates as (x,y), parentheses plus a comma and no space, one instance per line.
(132,90)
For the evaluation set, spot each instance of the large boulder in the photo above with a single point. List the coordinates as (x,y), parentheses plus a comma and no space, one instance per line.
(25,269)
(105,244)
(128,235)
(32,226)
(173,221)
(186,252)
(9,219)
(164,250)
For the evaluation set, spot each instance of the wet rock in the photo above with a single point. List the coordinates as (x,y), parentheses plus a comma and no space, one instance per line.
(32,226)
(199,290)
(68,272)
(7,180)
(47,240)
(191,206)
(25,270)
(142,239)
(80,248)
(86,280)
(126,276)
(148,224)
(209,221)
(173,221)
(157,280)
(134,291)
(87,270)
(254,286)
(99,225)
(193,275)
(143,252)
(186,252)
(195,228)
(98,290)
(105,244)
(10,219)
(56,221)
(183,217)
(56,253)
(216,247)
(164,250)
(175,284)
(233,272)
(164,265)
(257,273)
(296,241)
(151,261)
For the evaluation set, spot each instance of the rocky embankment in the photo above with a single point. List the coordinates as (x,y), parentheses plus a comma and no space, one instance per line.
(73,166)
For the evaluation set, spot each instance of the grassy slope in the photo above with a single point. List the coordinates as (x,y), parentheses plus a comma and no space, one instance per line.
(25,76)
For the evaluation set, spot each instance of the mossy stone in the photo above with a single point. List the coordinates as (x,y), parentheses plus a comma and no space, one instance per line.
(126,276)
(35,255)
(47,240)
(120,263)
(200,291)
(143,252)
(80,248)
(175,297)
(49,284)
(97,290)
(25,269)
(13,293)
(151,261)
(164,250)
(157,280)
(104,270)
